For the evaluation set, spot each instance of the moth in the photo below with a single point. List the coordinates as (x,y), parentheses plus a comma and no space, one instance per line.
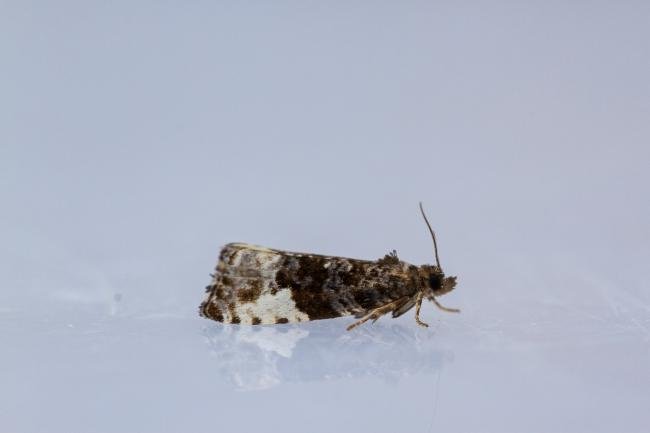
(254,285)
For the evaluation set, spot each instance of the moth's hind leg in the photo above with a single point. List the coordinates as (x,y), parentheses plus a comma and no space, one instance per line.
(377,313)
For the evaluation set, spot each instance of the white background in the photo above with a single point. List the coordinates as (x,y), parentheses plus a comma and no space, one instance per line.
(137,138)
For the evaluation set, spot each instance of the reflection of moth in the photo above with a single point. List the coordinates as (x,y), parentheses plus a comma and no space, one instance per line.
(255,285)
(261,357)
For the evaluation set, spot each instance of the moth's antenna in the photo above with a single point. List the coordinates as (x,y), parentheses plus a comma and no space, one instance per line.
(433,236)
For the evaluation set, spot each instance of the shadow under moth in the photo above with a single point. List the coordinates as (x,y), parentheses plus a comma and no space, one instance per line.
(254,285)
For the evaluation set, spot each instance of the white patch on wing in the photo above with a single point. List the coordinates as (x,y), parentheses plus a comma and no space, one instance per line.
(268,308)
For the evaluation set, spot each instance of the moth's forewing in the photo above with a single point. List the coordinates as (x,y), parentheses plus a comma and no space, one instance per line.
(256,285)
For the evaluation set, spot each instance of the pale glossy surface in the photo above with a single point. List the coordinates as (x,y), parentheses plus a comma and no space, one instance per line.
(550,369)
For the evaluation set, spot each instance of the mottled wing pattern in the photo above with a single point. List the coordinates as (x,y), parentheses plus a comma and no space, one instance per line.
(256,285)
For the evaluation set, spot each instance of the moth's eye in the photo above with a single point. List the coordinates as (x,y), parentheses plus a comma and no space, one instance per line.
(435,281)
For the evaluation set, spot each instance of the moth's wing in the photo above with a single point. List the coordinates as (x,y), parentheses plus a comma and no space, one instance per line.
(244,288)
(405,306)
(256,285)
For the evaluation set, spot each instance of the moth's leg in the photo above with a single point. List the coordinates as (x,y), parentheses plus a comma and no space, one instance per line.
(376,313)
(405,306)
(418,305)
(449,310)
(360,321)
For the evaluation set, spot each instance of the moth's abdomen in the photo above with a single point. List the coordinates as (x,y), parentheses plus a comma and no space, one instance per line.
(256,285)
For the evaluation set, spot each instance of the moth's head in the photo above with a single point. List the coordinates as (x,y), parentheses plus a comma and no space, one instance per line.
(439,284)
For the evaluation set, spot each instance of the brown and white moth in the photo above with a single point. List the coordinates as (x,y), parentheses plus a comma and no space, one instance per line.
(255,285)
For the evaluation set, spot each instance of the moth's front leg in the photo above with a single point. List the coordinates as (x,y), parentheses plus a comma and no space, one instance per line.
(449,310)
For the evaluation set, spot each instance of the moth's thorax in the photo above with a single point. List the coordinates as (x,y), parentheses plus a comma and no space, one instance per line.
(427,274)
